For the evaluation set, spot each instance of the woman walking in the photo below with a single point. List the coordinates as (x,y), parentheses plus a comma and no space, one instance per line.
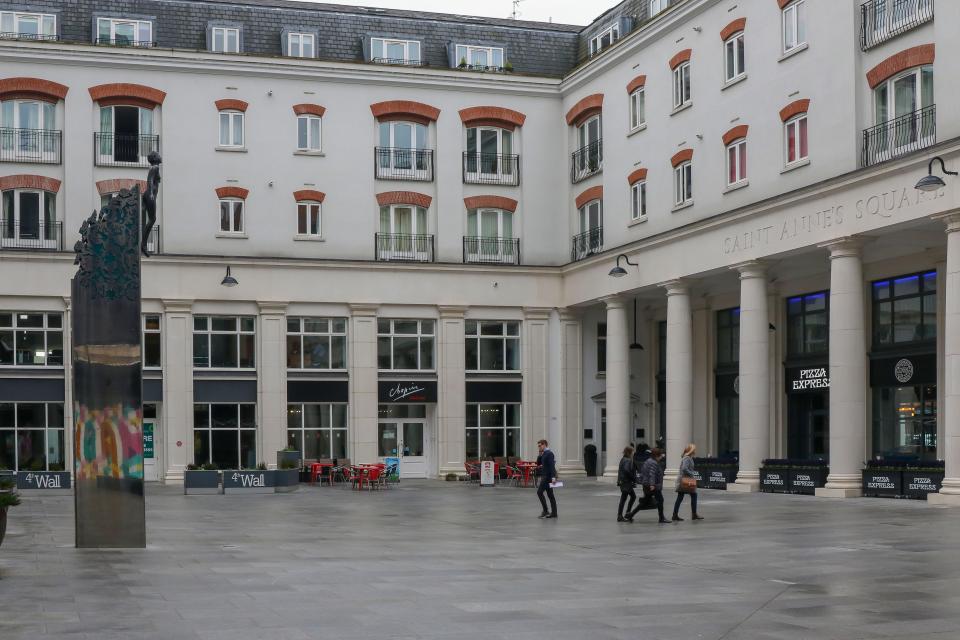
(686,483)
(626,478)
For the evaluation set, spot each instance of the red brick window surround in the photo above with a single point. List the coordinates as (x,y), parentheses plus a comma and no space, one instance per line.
(232,192)
(405,110)
(637,175)
(32,89)
(794,109)
(490,202)
(387,198)
(637,83)
(27,181)
(589,195)
(584,109)
(735,26)
(680,58)
(125,93)
(488,116)
(907,59)
(309,195)
(231,104)
(115,185)
(737,132)
(309,109)
(684,155)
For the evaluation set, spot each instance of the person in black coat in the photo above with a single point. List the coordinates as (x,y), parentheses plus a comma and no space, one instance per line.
(626,479)
(651,478)
(548,473)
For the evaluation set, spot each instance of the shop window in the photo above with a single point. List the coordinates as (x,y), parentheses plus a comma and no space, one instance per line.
(728,337)
(493,431)
(317,431)
(601,347)
(224,342)
(808,324)
(225,435)
(31,339)
(905,422)
(317,343)
(492,346)
(905,310)
(32,436)
(405,345)
(152,358)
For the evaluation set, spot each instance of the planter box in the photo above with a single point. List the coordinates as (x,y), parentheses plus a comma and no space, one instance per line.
(44,480)
(884,484)
(286,480)
(920,484)
(807,481)
(289,456)
(775,480)
(719,477)
(201,482)
(247,482)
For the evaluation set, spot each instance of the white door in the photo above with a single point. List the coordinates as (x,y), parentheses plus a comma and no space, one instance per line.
(149,451)
(407,440)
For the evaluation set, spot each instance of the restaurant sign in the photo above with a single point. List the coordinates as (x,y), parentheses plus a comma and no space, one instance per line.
(807,379)
(407,391)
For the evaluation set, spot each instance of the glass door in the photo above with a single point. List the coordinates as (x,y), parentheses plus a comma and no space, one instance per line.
(404,440)
(493,229)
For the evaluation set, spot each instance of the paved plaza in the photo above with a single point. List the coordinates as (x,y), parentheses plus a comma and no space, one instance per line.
(435,560)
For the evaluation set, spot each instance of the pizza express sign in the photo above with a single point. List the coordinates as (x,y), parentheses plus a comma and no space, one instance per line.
(407,391)
(807,379)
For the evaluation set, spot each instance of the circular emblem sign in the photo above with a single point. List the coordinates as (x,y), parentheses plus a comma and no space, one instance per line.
(903,371)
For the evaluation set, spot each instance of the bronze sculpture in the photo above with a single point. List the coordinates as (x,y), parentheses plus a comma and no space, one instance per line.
(150,200)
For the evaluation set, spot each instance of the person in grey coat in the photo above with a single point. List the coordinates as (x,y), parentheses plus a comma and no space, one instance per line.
(651,480)
(686,471)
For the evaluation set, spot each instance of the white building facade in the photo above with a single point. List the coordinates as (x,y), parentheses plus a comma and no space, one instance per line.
(423,250)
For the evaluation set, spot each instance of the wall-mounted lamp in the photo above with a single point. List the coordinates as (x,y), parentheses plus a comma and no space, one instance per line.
(229,280)
(618,271)
(931,182)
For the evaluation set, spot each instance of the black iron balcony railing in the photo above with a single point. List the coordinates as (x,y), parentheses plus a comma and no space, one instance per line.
(403,62)
(14,35)
(481,250)
(30,145)
(881,20)
(153,240)
(899,136)
(403,247)
(586,161)
(123,150)
(34,235)
(491,168)
(586,243)
(126,42)
(403,164)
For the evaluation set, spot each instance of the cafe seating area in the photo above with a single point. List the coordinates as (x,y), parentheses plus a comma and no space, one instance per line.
(342,473)
(509,470)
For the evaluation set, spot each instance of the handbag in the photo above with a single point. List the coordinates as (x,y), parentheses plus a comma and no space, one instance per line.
(687,485)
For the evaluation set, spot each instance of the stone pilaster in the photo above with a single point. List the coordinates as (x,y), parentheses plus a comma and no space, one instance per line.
(272,380)
(536,381)
(68,415)
(363,383)
(618,383)
(177,412)
(679,374)
(754,375)
(452,395)
(848,371)
(571,394)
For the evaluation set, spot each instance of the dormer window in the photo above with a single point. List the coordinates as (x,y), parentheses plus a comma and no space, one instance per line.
(126,33)
(301,45)
(604,39)
(225,40)
(479,58)
(28,26)
(389,51)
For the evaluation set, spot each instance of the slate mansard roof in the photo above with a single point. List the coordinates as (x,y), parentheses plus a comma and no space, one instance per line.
(531,47)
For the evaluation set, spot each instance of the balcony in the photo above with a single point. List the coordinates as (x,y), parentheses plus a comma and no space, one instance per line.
(899,136)
(403,164)
(482,250)
(33,235)
(403,247)
(40,37)
(41,146)
(123,149)
(153,240)
(400,62)
(586,161)
(125,42)
(491,168)
(586,244)
(881,20)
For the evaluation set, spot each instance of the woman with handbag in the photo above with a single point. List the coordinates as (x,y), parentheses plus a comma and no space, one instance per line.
(686,483)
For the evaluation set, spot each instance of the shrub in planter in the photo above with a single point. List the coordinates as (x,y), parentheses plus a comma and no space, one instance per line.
(883,478)
(289,455)
(8,498)
(201,479)
(463,63)
(922,479)
(508,66)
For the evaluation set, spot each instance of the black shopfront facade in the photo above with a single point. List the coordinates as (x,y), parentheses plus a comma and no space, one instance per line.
(903,367)
(807,376)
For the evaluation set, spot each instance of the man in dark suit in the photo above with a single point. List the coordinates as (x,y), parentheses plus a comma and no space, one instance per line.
(548,474)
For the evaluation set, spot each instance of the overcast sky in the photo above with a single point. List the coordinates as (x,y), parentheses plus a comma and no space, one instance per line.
(580,12)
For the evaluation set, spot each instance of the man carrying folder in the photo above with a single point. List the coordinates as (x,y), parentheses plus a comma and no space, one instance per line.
(548,475)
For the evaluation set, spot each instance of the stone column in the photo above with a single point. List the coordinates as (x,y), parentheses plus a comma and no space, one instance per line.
(754,375)
(949,413)
(272,380)
(571,394)
(452,395)
(363,383)
(618,383)
(848,371)
(679,375)
(536,383)
(177,412)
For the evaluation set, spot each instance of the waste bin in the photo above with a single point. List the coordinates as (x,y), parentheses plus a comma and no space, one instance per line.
(590,459)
